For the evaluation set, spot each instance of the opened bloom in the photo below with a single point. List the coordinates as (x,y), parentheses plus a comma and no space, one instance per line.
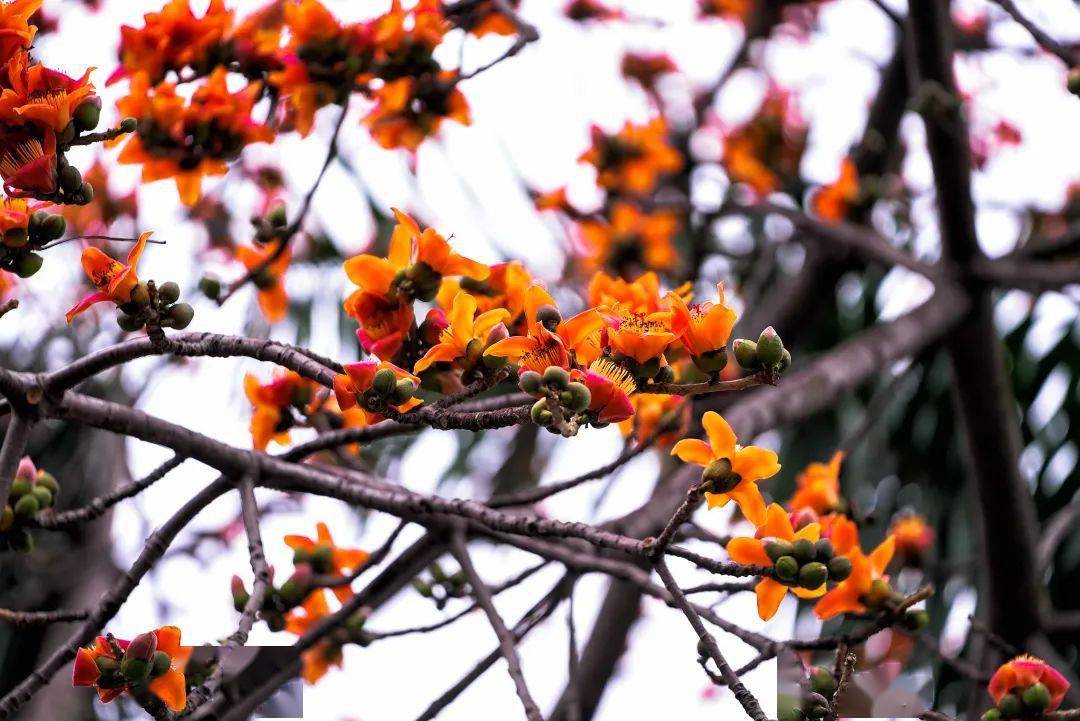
(114,280)
(550,340)
(324,654)
(154,659)
(913,536)
(1024,672)
(326,557)
(732,470)
(611,387)
(271,404)
(632,160)
(16,32)
(641,336)
(359,378)
(833,201)
(866,587)
(818,487)
(466,336)
(703,328)
(751,551)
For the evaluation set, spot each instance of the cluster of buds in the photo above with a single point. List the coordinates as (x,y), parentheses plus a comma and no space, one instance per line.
(555,386)
(419,281)
(387,389)
(441,587)
(767,354)
(148,667)
(814,703)
(24,233)
(270,226)
(31,491)
(279,600)
(154,306)
(805,563)
(1025,688)
(71,189)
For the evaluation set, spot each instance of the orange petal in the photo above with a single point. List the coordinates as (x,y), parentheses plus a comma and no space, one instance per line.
(777,524)
(755,464)
(441,353)
(170,688)
(752,505)
(769,595)
(168,639)
(881,555)
(721,437)
(137,251)
(749,551)
(693,450)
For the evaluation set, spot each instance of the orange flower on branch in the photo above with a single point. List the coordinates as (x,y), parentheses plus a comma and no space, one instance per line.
(731,471)
(641,295)
(405,39)
(633,160)
(326,558)
(28,163)
(1032,682)
(913,537)
(154,661)
(703,329)
(467,335)
(611,389)
(833,201)
(550,340)
(409,110)
(270,280)
(631,238)
(766,151)
(171,39)
(373,385)
(866,588)
(639,337)
(753,551)
(324,654)
(272,405)
(654,412)
(645,69)
(36,94)
(504,287)
(115,281)
(16,32)
(818,487)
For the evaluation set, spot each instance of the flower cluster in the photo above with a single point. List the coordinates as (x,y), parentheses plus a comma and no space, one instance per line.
(32,490)
(1025,687)
(764,152)
(152,663)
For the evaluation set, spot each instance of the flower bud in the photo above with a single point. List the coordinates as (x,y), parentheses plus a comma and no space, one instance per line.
(812,575)
(28,505)
(422,587)
(497,333)
(160,664)
(540,414)
(128,125)
(181,315)
(549,317)
(1036,697)
(403,391)
(169,292)
(804,550)
(556,378)
(786,568)
(28,264)
(580,397)
(777,549)
(839,568)
(128,323)
(210,286)
(292,592)
(434,324)
(785,361)
(43,495)
(135,670)
(88,114)
(879,593)
(47,480)
(916,620)
(86,194)
(26,469)
(666,374)
(384,382)
(240,596)
(53,226)
(142,647)
(1011,705)
(992,715)
(531,382)
(70,179)
(746,354)
(770,349)
(711,361)
(823,682)
(474,350)
(1073,81)
(823,550)
(21,487)
(7,518)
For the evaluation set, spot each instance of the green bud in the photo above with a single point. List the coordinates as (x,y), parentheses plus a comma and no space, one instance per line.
(777,549)
(556,378)
(128,323)
(210,286)
(804,550)
(770,349)
(916,620)
(580,397)
(823,682)
(719,477)
(548,316)
(1073,81)
(169,292)
(812,575)
(786,568)
(160,664)
(7,518)
(107,664)
(823,550)
(384,382)
(88,114)
(142,647)
(16,237)
(43,495)
(839,568)
(129,125)
(746,354)
(28,505)
(540,414)
(712,361)
(785,361)
(47,480)
(140,294)
(666,374)
(531,382)
(1011,706)
(992,715)
(403,391)
(21,487)
(181,315)
(135,670)
(880,592)
(1036,697)
(86,193)
(70,179)
(422,587)
(28,264)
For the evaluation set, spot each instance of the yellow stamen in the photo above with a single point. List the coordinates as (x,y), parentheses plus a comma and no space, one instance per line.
(619,376)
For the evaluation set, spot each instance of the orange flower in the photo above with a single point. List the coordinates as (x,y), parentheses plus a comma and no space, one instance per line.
(358,379)
(41,96)
(751,551)
(768,148)
(703,328)
(818,487)
(504,287)
(653,410)
(326,557)
(641,295)
(913,536)
(319,658)
(632,160)
(833,201)
(409,110)
(114,280)
(641,336)
(16,32)
(466,336)
(631,238)
(257,38)
(610,387)
(839,529)
(742,466)
(28,163)
(99,665)
(863,587)
(485,19)
(1023,672)
(270,282)
(553,200)
(551,343)
(396,37)
(15,213)
(171,39)
(270,403)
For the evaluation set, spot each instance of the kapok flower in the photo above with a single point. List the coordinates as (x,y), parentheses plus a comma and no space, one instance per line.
(653,411)
(611,387)
(115,281)
(403,35)
(16,32)
(171,39)
(641,295)
(751,551)
(36,94)
(409,110)
(15,214)
(703,328)
(467,335)
(731,471)
(271,402)
(913,536)
(634,159)
(866,587)
(270,281)
(1024,672)
(551,340)
(504,287)
(818,487)
(28,163)
(319,658)
(359,379)
(841,531)
(642,337)
(155,660)
(632,238)
(326,558)
(832,201)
